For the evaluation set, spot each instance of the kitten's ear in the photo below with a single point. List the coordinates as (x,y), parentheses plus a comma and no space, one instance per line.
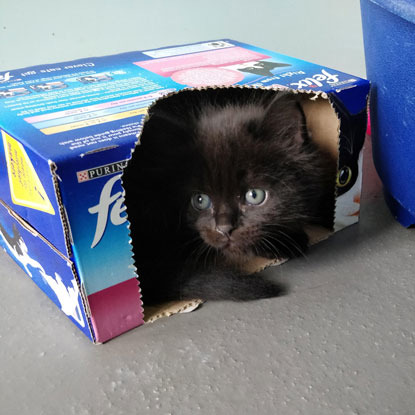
(284,118)
(165,130)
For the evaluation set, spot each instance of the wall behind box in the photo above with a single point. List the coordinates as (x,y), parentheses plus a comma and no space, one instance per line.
(68,130)
(294,28)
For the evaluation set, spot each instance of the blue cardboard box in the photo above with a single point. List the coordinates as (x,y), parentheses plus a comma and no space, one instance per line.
(68,131)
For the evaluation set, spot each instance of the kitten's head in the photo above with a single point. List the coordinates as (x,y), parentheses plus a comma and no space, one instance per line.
(258,180)
(232,171)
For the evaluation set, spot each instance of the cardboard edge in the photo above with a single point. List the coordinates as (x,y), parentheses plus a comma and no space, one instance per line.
(62,213)
(168,309)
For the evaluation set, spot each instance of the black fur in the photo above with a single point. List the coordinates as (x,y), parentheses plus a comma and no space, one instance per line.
(223,142)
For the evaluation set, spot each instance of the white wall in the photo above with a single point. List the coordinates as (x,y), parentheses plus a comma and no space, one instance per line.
(45,31)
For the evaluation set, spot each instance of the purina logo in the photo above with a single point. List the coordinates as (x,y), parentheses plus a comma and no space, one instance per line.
(5,77)
(100,171)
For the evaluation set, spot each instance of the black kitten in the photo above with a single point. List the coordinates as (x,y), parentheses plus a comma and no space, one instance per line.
(222,176)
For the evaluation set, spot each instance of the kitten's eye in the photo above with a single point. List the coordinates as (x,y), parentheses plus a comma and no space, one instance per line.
(344,175)
(200,201)
(255,196)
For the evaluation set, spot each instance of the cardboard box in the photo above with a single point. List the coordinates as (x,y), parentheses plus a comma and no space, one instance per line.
(68,130)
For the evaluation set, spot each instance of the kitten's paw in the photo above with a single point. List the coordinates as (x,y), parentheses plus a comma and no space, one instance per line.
(226,285)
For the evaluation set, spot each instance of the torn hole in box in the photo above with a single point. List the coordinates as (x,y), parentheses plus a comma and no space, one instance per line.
(192,157)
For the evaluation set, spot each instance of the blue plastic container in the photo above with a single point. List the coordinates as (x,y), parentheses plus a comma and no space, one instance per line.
(389,38)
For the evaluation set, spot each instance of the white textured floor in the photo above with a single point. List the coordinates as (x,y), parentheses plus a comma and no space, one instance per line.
(342,340)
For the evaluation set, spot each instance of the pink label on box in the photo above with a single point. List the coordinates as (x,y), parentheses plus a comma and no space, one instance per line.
(115,310)
(207,76)
(229,56)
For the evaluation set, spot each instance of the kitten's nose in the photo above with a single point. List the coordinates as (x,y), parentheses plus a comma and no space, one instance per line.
(224,220)
(224,229)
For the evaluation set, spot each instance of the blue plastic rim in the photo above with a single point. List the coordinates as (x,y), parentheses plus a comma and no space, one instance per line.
(389,38)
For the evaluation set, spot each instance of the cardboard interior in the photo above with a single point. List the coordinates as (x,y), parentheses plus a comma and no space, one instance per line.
(323,126)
